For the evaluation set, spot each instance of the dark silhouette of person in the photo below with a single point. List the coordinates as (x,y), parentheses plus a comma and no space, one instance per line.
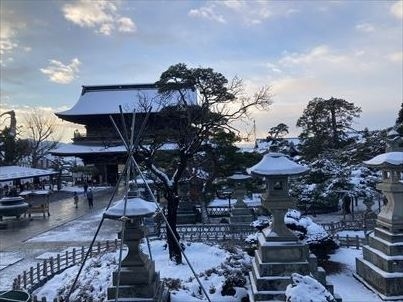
(75,196)
(90,198)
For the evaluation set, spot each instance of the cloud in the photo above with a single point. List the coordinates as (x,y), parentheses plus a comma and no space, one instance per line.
(249,12)
(365,27)
(64,130)
(101,15)
(9,30)
(126,25)
(60,73)
(396,57)
(207,12)
(321,53)
(397,9)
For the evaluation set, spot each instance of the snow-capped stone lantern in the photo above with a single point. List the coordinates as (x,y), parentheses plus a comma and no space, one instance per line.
(239,180)
(276,168)
(240,213)
(381,267)
(138,278)
(279,253)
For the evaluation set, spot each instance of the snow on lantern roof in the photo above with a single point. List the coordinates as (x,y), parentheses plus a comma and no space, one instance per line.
(386,159)
(239,176)
(106,99)
(276,164)
(135,207)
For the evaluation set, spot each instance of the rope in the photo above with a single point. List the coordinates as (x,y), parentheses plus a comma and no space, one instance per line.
(95,236)
(124,219)
(130,151)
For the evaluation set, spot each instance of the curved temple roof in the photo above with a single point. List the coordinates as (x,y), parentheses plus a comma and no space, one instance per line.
(105,100)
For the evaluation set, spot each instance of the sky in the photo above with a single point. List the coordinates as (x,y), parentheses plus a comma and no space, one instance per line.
(301,49)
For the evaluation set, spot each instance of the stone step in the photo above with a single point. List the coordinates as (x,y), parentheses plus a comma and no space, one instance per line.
(386,247)
(391,264)
(388,284)
(280,268)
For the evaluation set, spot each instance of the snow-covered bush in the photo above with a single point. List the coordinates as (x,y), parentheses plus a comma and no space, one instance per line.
(307,289)
(319,241)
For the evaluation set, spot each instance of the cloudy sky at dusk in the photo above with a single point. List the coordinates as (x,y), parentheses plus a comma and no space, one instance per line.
(302,49)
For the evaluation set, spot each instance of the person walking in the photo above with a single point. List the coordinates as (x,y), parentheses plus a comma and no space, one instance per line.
(90,198)
(75,196)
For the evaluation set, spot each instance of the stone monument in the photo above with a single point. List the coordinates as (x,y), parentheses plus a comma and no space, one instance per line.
(381,267)
(187,212)
(240,213)
(279,252)
(138,280)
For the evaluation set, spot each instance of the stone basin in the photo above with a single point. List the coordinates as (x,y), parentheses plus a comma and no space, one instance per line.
(13,206)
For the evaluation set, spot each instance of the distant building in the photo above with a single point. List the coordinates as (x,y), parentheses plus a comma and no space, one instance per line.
(101,146)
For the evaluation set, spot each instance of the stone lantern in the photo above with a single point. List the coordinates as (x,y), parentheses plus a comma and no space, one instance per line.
(279,252)
(276,168)
(138,278)
(240,214)
(381,267)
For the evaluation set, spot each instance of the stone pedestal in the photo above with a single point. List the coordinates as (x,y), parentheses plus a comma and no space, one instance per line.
(187,212)
(138,279)
(241,214)
(279,252)
(381,267)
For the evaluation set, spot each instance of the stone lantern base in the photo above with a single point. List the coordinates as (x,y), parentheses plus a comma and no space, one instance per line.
(273,264)
(138,279)
(241,213)
(381,267)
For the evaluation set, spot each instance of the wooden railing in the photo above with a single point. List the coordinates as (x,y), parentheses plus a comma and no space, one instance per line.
(37,275)
(351,241)
(354,225)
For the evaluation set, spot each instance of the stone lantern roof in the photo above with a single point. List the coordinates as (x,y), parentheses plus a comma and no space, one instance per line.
(135,207)
(388,159)
(276,164)
(237,176)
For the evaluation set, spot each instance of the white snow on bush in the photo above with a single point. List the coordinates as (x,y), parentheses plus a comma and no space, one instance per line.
(307,289)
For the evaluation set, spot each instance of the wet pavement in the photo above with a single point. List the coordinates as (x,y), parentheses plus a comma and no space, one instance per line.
(18,252)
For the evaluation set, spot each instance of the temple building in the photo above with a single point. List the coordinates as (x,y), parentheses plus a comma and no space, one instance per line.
(100,146)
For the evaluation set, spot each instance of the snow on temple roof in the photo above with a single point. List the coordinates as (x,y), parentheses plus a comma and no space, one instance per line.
(16,172)
(276,164)
(73,149)
(388,158)
(95,100)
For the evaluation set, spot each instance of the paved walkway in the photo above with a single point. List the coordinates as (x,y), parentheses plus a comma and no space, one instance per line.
(61,211)
(17,253)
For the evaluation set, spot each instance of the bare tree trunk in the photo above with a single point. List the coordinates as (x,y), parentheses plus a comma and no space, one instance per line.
(174,249)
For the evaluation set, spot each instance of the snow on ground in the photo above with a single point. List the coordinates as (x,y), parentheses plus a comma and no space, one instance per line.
(80,189)
(209,261)
(349,288)
(8,258)
(81,230)
(206,260)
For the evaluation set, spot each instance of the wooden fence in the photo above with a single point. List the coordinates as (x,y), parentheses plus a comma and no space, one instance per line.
(351,241)
(43,271)
(355,225)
